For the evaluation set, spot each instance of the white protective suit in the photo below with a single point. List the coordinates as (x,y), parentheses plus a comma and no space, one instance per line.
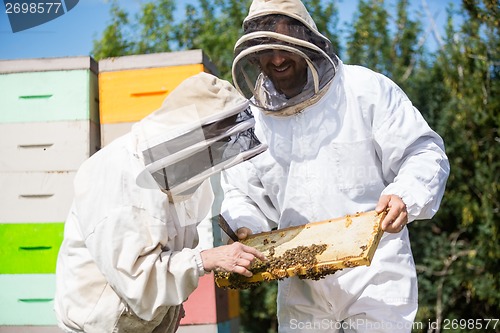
(361,139)
(128,261)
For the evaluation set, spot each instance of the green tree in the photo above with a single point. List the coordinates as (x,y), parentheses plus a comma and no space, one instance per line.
(211,25)
(459,258)
(326,17)
(258,305)
(155,27)
(406,49)
(369,42)
(114,41)
(150,31)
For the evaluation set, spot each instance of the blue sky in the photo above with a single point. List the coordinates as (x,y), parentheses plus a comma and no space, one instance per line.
(72,34)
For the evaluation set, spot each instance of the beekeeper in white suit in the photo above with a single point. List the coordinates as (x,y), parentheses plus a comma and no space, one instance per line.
(342,139)
(128,260)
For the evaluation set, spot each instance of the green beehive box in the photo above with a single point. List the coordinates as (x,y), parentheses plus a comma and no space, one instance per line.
(29,248)
(28,300)
(49,89)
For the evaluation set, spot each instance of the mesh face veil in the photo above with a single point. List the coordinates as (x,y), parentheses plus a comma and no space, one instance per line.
(185,161)
(207,136)
(281,64)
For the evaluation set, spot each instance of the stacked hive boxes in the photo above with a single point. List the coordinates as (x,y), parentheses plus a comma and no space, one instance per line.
(48,126)
(130,88)
(51,120)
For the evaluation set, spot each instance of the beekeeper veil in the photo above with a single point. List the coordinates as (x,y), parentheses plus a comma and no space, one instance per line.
(203,127)
(282,62)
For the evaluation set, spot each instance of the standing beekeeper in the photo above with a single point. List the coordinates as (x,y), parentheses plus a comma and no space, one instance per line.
(342,139)
(128,260)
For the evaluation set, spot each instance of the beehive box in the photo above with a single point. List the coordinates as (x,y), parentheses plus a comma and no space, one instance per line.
(49,125)
(48,89)
(311,251)
(27,303)
(131,87)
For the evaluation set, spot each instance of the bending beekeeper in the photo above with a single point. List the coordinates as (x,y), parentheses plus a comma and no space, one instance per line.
(128,260)
(342,139)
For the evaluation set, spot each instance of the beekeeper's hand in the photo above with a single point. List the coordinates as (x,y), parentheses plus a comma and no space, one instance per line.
(397,216)
(233,258)
(243,233)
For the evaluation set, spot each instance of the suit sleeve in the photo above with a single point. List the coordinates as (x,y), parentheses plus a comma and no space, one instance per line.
(246,203)
(143,271)
(414,163)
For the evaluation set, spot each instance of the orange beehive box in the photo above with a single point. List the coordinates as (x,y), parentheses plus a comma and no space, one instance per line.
(131,87)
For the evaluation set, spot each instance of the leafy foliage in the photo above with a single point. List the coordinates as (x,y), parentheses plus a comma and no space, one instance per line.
(369,42)
(259,308)
(457,253)
(465,270)
(211,25)
(457,90)
(113,42)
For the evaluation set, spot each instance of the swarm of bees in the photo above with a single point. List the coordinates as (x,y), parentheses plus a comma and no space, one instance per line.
(309,252)
(300,260)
